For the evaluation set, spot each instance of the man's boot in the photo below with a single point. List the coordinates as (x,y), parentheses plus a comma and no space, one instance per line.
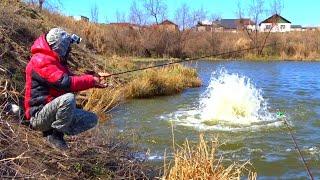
(56,139)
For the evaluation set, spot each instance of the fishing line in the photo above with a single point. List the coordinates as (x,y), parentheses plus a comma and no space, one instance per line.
(294,140)
(190,59)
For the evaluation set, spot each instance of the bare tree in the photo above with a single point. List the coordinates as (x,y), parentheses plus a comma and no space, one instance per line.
(120,16)
(184,21)
(156,9)
(183,17)
(38,3)
(32,2)
(256,10)
(51,5)
(94,13)
(136,15)
(41,4)
(276,7)
(199,15)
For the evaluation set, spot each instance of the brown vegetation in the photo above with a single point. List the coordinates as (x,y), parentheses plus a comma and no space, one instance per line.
(165,81)
(94,154)
(129,40)
(200,162)
(159,42)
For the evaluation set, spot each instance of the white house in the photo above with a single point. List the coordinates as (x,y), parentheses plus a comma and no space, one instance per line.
(207,25)
(81,18)
(226,25)
(297,28)
(275,23)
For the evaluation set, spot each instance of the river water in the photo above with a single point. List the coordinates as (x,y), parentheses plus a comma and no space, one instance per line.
(238,103)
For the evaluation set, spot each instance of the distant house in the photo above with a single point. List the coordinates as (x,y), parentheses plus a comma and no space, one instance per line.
(234,25)
(226,25)
(81,18)
(297,28)
(208,26)
(168,25)
(309,28)
(275,23)
(125,25)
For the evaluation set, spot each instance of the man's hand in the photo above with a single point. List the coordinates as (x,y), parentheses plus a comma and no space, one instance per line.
(105,74)
(100,74)
(98,82)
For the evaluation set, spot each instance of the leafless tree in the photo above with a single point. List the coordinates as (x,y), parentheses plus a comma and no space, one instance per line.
(156,9)
(183,17)
(136,15)
(38,3)
(94,13)
(256,11)
(184,20)
(41,4)
(276,7)
(51,5)
(199,15)
(120,16)
(32,2)
(215,37)
(215,17)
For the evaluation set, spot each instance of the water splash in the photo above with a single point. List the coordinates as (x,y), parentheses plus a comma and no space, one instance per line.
(233,99)
(230,103)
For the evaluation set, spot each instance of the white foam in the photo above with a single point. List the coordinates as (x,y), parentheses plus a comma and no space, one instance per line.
(234,99)
(230,103)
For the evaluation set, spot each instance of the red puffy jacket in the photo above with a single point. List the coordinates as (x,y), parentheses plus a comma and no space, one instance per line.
(47,78)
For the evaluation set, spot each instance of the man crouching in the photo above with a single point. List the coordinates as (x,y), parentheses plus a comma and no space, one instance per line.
(50,104)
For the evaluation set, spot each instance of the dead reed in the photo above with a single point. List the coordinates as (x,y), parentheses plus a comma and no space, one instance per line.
(164,81)
(200,162)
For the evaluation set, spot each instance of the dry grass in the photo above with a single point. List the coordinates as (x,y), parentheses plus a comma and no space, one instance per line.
(94,154)
(101,101)
(200,162)
(164,81)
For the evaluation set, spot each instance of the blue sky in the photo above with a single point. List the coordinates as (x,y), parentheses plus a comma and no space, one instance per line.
(302,12)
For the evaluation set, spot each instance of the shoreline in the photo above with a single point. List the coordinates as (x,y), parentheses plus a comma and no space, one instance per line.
(151,60)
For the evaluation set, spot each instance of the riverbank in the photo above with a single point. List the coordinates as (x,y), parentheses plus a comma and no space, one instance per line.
(248,57)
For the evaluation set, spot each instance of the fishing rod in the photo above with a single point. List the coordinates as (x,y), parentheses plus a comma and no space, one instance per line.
(187,60)
(294,140)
